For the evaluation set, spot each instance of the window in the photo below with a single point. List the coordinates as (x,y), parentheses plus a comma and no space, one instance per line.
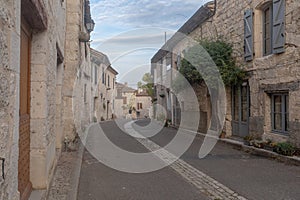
(274,27)
(113,83)
(178,62)
(96,75)
(92,73)
(108,81)
(84,94)
(280,112)
(271,23)
(139,106)
(103,76)
(267,29)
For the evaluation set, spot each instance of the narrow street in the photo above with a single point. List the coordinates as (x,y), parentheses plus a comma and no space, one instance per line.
(225,173)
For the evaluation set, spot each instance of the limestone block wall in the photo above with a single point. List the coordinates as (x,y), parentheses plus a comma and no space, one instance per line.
(266,73)
(9,96)
(279,73)
(72,63)
(46,83)
(146,104)
(77,71)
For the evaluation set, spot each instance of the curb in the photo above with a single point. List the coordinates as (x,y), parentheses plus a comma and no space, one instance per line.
(290,160)
(72,195)
(64,184)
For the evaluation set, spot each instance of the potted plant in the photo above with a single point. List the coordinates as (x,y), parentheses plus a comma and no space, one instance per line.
(247,140)
(168,123)
(258,143)
(285,149)
(269,145)
(223,134)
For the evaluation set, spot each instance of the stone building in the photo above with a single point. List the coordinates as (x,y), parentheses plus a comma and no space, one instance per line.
(35,59)
(164,66)
(265,39)
(77,96)
(143,103)
(125,101)
(103,86)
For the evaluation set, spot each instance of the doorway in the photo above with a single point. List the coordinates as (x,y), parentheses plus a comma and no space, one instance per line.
(240,110)
(24,184)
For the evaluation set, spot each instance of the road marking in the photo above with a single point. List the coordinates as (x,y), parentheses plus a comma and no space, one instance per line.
(207,185)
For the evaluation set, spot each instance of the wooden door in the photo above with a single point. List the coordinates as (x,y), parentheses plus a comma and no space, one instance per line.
(24,184)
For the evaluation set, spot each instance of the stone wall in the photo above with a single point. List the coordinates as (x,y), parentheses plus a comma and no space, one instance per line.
(266,74)
(9,96)
(276,72)
(46,75)
(47,47)
(77,79)
(146,104)
(103,92)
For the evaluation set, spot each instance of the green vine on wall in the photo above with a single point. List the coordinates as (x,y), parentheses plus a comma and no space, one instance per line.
(220,52)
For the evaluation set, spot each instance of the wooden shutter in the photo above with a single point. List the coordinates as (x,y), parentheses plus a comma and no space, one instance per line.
(248,35)
(278,38)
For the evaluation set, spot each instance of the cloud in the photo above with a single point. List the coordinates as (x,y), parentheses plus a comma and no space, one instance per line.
(138,13)
(130,32)
(131,40)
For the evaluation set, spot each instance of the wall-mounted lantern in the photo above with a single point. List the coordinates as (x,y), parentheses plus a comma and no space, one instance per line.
(90,25)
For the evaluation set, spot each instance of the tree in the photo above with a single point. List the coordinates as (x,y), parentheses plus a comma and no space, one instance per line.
(147,84)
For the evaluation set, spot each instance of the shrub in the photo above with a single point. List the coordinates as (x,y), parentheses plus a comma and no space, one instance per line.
(220,52)
(248,138)
(285,148)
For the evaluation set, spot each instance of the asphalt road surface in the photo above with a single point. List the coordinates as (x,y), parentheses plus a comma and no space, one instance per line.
(226,173)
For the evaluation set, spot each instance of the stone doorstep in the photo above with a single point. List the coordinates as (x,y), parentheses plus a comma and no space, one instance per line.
(38,194)
(294,160)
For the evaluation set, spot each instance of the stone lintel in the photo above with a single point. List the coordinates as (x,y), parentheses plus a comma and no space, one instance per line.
(35,14)
(271,88)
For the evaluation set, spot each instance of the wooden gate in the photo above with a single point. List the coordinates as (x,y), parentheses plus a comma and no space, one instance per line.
(24,124)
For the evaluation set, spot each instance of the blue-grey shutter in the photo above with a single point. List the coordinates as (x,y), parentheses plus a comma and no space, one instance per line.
(278,38)
(248,35)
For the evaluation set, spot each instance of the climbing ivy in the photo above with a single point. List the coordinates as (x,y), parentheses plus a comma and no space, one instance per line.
(220,51)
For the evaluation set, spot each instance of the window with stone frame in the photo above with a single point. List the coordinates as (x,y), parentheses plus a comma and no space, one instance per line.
(267,29)
(280,112)
(267,35)
(274,27)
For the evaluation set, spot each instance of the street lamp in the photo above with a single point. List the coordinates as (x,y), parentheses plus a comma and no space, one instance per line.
(90,25)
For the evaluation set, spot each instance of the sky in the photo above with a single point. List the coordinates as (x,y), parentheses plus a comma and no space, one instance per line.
(130,32)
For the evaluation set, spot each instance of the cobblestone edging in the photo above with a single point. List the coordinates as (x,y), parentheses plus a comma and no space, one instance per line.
(207,185)
(66,178)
